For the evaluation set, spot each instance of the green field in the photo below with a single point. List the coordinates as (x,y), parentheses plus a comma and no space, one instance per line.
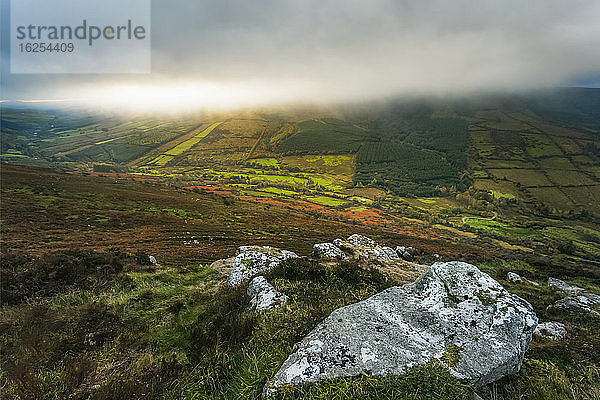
(188,144)
(498,227)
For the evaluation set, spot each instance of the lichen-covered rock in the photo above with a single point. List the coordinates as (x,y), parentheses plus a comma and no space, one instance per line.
(564,286)
(263,296)
(513,277)
(328,250)
(582,302)
(453,308)
(551,330)
(254,260)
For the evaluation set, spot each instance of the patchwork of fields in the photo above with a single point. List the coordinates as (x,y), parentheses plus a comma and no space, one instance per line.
(449,165)
(519,156)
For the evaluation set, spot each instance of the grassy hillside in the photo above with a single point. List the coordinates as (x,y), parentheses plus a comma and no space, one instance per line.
(83,315)
(509,183)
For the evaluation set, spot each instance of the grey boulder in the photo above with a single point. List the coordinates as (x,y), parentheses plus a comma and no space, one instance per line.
(583,302)
(564,286)
(255,260)
(453,308)
(263,296)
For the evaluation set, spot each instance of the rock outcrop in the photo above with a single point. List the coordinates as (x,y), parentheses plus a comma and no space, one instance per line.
(578,300)
(564,286)
(255,260)
(263,296)
(551,330)
(362,247)
(582,302)
(328,250)
(453,312)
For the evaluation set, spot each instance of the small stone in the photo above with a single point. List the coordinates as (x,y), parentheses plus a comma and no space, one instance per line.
(551,330)
(263,296)
(405,253)
(513,277)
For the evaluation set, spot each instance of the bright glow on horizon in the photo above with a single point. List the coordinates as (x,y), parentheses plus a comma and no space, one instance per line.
(41,101)
(188,96)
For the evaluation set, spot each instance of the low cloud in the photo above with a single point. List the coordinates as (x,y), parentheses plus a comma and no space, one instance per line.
(326,50)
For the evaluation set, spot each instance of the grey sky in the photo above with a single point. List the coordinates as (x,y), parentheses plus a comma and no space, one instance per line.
(350,49)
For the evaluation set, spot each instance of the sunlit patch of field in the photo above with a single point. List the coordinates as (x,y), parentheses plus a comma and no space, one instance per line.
(330,182)
(585,238)
(13,153)
(326,201)
(330,161)
(279,178)
(188,144)
(511,247)
(162,159)
(497,227)
(500,195)
(498,189)
(283,132)
(430,203)
(74,134)
(360,199)
(427,200)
